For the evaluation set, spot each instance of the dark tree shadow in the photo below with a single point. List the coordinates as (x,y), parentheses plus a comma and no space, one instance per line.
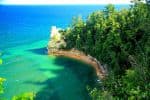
(47,93)
(63,84)
(39,51)
(84,72)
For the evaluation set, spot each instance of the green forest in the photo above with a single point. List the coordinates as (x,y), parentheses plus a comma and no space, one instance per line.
(120,40)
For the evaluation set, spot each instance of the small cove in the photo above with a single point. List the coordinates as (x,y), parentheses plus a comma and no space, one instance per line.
(28,68)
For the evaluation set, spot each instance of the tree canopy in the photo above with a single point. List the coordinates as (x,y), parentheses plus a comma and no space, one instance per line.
(121,40)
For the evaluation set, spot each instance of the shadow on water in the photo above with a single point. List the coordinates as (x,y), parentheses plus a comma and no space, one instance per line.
(39,51)
(66,86)
(49,92)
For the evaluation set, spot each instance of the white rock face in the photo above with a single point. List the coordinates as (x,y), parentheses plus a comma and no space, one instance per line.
(54,31)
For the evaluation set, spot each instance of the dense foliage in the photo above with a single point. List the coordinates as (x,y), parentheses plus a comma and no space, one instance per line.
(25,96)
(1,80)
(121,40)
(1,85)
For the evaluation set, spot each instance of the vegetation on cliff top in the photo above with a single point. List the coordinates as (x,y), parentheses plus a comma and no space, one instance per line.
(56,42)
(120,39)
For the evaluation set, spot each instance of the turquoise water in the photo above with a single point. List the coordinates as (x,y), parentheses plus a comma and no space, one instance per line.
(24,34)
(27,68)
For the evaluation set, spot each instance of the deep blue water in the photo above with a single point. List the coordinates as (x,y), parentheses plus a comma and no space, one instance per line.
(26,24)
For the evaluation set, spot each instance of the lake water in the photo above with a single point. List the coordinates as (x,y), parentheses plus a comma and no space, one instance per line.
(24,34)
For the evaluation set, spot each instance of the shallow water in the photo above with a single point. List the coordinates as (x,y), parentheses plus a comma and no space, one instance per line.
(28,68)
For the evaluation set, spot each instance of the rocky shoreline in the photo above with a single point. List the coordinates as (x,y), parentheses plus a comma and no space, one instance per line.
(75,54)
(55,48)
